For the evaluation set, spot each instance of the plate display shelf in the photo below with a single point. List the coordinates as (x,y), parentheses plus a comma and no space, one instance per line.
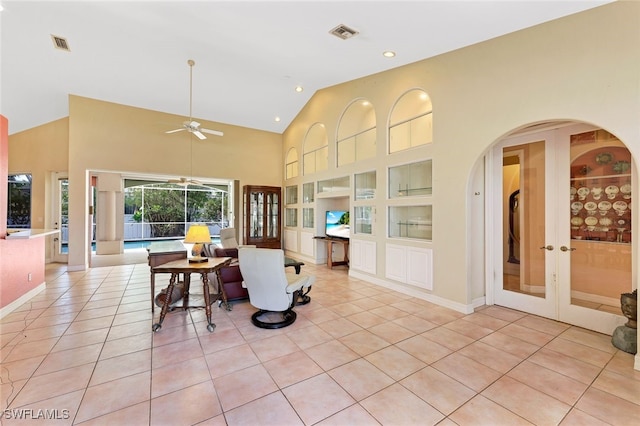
(600,196)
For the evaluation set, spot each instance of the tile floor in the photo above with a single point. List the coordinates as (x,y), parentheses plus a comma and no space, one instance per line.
(83,352)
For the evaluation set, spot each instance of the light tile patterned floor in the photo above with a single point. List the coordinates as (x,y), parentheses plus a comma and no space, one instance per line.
(357,355)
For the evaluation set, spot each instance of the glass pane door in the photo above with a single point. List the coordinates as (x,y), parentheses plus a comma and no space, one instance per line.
(257,214)
(526,264)
(597,215)
(565,225)
(60,249)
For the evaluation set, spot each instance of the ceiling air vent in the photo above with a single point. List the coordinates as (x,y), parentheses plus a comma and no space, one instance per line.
(60,43)
(343,32)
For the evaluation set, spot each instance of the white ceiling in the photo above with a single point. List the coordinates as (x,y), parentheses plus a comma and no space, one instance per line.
(249,55)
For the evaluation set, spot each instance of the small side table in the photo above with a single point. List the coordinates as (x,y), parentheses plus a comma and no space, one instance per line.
(330,242)
(183,266)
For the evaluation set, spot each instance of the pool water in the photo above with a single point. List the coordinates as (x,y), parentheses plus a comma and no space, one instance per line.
(131,245)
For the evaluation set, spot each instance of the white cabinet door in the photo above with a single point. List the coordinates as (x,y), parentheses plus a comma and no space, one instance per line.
(396,263)
(363,256)
(307,244)
(420,267)
(290,240)
(410,265)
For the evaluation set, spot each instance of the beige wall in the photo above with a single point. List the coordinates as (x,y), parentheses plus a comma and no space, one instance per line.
(40,151)
(109,137)
(103,136)
(585,67)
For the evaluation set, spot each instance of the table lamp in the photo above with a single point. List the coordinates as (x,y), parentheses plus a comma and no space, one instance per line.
(198,235)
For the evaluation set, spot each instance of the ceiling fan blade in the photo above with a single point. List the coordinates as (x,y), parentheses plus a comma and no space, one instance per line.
(174,131)
(181,181)
(212,132)
(198,134)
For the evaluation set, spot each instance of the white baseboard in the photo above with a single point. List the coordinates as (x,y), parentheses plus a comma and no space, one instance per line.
(480,301)
(21,300)
(414,292)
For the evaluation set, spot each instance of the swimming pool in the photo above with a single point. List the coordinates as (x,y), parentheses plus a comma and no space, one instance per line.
(133,245)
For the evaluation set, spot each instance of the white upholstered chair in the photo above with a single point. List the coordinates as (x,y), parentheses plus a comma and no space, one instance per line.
(272,290)
(228,239)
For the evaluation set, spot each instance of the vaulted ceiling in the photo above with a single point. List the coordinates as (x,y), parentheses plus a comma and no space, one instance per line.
(249,55)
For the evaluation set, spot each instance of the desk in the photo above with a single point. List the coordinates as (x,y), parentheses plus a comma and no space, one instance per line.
(162,252)
(183,266)
(330,242)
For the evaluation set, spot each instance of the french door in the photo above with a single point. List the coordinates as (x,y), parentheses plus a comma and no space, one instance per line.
(60,220)
(561,211)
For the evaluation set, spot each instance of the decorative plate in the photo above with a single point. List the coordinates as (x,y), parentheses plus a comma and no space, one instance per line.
(604,205)
(591,221)
(620,205)
(576,221)
(626,188)
(583,192)
(604,158)
(605,221)
(574,190)
(590,205)
(611,190)
(576,205)
(621,166)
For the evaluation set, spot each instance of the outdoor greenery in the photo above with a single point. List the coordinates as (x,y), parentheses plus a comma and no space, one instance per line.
(19,201)
(169,208)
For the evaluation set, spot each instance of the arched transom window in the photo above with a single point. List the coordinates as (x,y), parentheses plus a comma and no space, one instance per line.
(315,150)
(411,121)
(356,133)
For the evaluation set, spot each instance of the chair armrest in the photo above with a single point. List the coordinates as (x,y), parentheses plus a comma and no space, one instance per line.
(296,282)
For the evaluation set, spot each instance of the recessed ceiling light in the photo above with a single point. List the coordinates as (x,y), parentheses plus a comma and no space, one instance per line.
(299,89)
(388,53)
(277,119)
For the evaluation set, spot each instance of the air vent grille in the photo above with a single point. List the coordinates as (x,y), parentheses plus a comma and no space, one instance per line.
(343,32)
(60,43)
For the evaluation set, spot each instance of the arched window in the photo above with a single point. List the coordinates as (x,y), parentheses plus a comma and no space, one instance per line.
(356,133)
(411,123)
(291,164)
(315,150)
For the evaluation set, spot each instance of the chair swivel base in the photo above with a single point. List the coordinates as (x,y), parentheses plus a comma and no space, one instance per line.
(288,318)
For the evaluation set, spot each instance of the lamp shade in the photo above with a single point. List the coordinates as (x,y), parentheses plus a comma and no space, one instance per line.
(198,234)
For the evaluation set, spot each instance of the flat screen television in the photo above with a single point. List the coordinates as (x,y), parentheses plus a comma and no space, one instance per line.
(337,224)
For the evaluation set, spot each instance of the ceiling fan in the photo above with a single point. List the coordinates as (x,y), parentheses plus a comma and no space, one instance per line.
(185,182)
(190,125)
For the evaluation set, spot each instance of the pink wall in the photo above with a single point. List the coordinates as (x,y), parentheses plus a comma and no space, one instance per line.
(18,258)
